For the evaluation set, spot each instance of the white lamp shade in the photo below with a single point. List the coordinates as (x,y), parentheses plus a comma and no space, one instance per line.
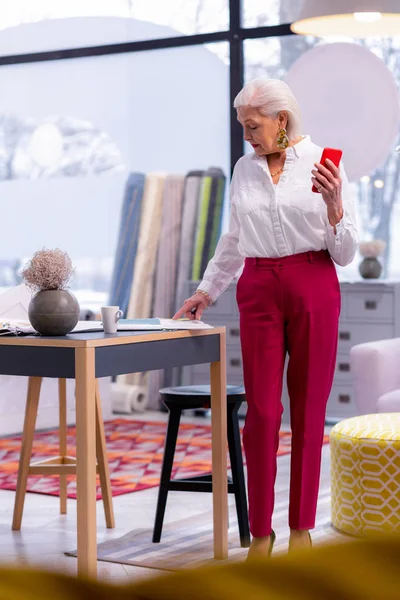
(352,103)
(352,18)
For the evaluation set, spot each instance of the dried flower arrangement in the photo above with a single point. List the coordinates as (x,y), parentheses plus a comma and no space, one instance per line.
(372,249)
(48,270)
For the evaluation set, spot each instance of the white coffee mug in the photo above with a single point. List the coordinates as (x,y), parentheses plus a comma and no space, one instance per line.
(110,316)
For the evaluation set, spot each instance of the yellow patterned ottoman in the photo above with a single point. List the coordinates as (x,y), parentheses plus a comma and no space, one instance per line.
(365,454)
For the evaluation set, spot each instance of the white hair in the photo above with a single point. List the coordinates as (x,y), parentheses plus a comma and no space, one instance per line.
(270,97)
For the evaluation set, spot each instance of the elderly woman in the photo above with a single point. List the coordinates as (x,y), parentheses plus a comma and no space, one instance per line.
(288,295)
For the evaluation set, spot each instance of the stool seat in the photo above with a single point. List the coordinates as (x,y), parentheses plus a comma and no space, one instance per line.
(198,396)
(201,390)
(180,398)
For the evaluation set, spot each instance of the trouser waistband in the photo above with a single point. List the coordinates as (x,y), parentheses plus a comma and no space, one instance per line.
(311,256)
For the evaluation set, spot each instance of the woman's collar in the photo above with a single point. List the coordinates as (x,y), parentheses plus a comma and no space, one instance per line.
(301,147)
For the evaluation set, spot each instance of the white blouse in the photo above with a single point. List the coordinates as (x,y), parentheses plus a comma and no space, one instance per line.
(272,221)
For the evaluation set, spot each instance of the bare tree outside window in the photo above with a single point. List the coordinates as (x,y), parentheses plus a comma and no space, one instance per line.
(378,193)
(186,16)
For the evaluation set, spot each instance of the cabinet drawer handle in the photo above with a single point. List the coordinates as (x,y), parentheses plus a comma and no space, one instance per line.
(344,336)
(234,332)
(344,367)
(371,305)
(344,398)
(235,362)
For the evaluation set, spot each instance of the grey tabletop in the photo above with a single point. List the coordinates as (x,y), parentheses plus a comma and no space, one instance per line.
(115,354)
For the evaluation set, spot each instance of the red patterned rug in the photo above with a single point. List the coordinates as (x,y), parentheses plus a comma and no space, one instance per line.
(135,452)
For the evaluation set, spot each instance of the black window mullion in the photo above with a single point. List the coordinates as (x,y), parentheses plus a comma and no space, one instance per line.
(110,49)
(236,78)
(266,31)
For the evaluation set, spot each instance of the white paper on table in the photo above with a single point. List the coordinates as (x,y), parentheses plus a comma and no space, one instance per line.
(87,326)
(14,303)
(184,324)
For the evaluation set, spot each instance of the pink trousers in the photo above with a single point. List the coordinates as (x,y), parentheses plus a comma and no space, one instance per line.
(291,306)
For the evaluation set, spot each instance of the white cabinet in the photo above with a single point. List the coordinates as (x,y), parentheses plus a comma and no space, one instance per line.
(370,312)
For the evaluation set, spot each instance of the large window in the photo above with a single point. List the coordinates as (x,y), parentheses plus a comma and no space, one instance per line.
(68,147)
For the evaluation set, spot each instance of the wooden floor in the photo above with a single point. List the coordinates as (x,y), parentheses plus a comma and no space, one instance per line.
(46,535)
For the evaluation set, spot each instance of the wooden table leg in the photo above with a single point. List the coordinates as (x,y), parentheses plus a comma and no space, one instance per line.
(32,403)
(219,452)
(86,461)
(102,462)
(62,399)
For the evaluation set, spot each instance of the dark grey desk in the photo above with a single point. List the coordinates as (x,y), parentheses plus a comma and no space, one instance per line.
(87,356)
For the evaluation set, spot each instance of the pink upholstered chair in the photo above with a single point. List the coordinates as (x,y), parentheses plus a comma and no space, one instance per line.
(376,376)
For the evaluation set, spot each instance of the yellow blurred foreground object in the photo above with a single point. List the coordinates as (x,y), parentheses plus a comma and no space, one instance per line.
(356,570)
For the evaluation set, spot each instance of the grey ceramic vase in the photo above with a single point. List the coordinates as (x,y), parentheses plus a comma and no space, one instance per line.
(370,268)
(53,312)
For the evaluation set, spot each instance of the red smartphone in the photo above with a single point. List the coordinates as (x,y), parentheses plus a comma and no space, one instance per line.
(334,155)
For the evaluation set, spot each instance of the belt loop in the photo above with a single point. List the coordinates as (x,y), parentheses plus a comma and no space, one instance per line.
(257,261)
(310,257)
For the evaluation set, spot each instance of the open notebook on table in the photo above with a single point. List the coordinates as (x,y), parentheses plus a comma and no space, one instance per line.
(16,327)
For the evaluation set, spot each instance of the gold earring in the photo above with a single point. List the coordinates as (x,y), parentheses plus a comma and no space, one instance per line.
(283,140)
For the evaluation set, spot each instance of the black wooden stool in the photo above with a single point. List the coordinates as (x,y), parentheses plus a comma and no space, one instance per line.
(178,399)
